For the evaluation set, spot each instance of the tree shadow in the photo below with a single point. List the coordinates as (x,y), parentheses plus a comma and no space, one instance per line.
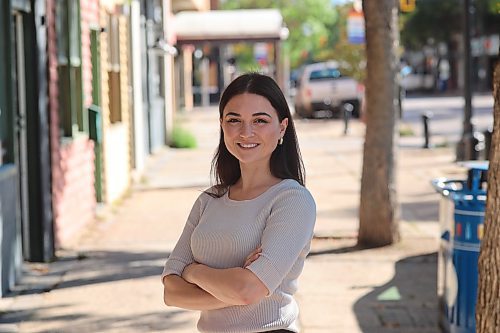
(425,211)
(93,267)
(165,321)
(90,267)
(407,303)
(339,250)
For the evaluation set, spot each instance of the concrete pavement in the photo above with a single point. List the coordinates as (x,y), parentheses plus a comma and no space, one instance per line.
(108,281)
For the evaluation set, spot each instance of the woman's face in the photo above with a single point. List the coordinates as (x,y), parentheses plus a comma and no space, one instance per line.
(251,128)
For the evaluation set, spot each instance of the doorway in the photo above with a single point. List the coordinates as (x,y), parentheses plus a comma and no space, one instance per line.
(153,77)
(20,126)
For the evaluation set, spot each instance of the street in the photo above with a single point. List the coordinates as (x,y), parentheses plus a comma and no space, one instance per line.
(108,281)
(447,115)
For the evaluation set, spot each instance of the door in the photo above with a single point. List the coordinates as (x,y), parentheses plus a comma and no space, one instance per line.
(154,79)
(95,116)
(144,80)
(21,144)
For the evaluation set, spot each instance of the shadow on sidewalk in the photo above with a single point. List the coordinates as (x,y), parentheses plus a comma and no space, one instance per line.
(80,322)
(405,304)
(91,267)
(109,266)
(423,211)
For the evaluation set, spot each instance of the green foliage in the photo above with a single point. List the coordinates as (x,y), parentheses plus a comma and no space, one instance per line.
(406,130)
(440,20)
(427,21)
(311,24)
(494,6)
(182,138)
(352,57)
(246,60)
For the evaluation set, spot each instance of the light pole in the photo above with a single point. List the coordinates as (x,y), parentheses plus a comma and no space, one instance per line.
(464,147)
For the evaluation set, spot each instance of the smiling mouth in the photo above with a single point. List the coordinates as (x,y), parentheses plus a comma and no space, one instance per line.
(247,145)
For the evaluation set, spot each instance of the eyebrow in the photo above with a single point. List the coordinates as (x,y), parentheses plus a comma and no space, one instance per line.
(255,114)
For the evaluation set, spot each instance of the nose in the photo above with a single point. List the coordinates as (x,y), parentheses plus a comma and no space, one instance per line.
(246,131)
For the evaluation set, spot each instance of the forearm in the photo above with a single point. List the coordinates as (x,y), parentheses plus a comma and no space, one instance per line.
(180,293)
(236,286)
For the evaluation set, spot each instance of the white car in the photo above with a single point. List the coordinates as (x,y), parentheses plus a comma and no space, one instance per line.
(413,81)
(322,87)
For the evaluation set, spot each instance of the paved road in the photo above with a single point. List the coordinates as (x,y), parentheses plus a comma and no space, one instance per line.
(447,114)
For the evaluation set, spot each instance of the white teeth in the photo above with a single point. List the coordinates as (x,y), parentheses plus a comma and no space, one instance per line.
(248,145)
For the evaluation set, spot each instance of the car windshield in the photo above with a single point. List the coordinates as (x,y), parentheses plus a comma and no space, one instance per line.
(326,73)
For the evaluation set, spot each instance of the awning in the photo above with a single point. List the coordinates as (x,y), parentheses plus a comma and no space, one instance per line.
(229,26)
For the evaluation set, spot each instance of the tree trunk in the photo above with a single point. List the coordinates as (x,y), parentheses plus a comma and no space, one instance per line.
(379,211)
(488,301)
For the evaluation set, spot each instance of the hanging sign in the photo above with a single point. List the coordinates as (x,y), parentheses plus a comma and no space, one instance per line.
(356,27)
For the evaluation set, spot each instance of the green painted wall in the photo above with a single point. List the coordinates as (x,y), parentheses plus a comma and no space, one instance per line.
(6,108)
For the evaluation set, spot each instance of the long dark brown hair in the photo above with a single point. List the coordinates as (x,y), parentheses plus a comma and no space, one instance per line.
(286,161)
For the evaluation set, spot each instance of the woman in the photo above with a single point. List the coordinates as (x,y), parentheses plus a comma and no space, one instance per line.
(246,238)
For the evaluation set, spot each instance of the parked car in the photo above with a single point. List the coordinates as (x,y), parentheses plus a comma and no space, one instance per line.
(322,87)
(412,80)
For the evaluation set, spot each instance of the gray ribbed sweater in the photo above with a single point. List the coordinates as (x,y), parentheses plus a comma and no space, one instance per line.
(221,232)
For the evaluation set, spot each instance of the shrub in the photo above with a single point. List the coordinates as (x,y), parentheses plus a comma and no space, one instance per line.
(182,138)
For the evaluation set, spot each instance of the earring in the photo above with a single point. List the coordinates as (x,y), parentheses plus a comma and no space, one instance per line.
(280,142)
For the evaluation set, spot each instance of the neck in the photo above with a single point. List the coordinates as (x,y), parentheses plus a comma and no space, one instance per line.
(255,177)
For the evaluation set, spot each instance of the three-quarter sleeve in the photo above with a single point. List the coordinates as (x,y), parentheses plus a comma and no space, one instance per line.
(182,254)
(287,234)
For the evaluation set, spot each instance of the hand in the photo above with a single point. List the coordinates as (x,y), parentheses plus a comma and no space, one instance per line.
(187,273)
(252,256)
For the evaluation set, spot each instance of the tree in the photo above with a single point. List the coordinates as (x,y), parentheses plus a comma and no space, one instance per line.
(488,306)
(379,209)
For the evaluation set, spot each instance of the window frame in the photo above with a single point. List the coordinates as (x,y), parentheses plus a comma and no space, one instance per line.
(73,115)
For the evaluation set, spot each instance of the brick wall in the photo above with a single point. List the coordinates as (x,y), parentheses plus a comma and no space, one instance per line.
(75,204)
(72,158)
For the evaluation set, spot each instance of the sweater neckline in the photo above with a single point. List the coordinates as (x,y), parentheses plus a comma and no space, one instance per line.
(239,202)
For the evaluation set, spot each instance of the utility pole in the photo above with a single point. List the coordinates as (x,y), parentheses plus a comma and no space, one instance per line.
(464,146)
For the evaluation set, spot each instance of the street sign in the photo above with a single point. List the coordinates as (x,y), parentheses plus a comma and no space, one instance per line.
(407,5)
(356,27)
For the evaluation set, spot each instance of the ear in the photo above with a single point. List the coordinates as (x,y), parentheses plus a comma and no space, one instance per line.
(283,125)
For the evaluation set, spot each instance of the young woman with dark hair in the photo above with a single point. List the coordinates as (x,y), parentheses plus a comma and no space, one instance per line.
(246,238)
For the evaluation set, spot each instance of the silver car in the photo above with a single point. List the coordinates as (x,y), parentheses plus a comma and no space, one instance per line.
(322,87)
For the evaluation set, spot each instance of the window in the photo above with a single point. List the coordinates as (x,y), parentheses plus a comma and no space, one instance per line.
(325,74)
(73,118)
(114,69)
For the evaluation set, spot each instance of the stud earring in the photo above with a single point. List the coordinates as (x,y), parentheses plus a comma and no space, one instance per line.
(280,142)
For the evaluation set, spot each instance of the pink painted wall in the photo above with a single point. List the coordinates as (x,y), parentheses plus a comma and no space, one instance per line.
(72,158)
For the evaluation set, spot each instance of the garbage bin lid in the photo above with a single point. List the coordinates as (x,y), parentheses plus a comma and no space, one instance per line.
(478,165)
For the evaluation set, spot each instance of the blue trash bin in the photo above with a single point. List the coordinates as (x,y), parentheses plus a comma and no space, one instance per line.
(459,249)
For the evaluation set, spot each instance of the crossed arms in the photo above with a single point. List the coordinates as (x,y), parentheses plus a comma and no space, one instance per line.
(204,288)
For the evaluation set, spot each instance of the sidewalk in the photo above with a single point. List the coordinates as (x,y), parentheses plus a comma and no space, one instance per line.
(109,281)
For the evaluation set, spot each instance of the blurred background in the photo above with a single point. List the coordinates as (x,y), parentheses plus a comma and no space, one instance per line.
(90,90)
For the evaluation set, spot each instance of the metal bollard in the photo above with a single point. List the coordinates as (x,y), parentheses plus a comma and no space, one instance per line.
(347,109)
(487,142)
(425,120)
